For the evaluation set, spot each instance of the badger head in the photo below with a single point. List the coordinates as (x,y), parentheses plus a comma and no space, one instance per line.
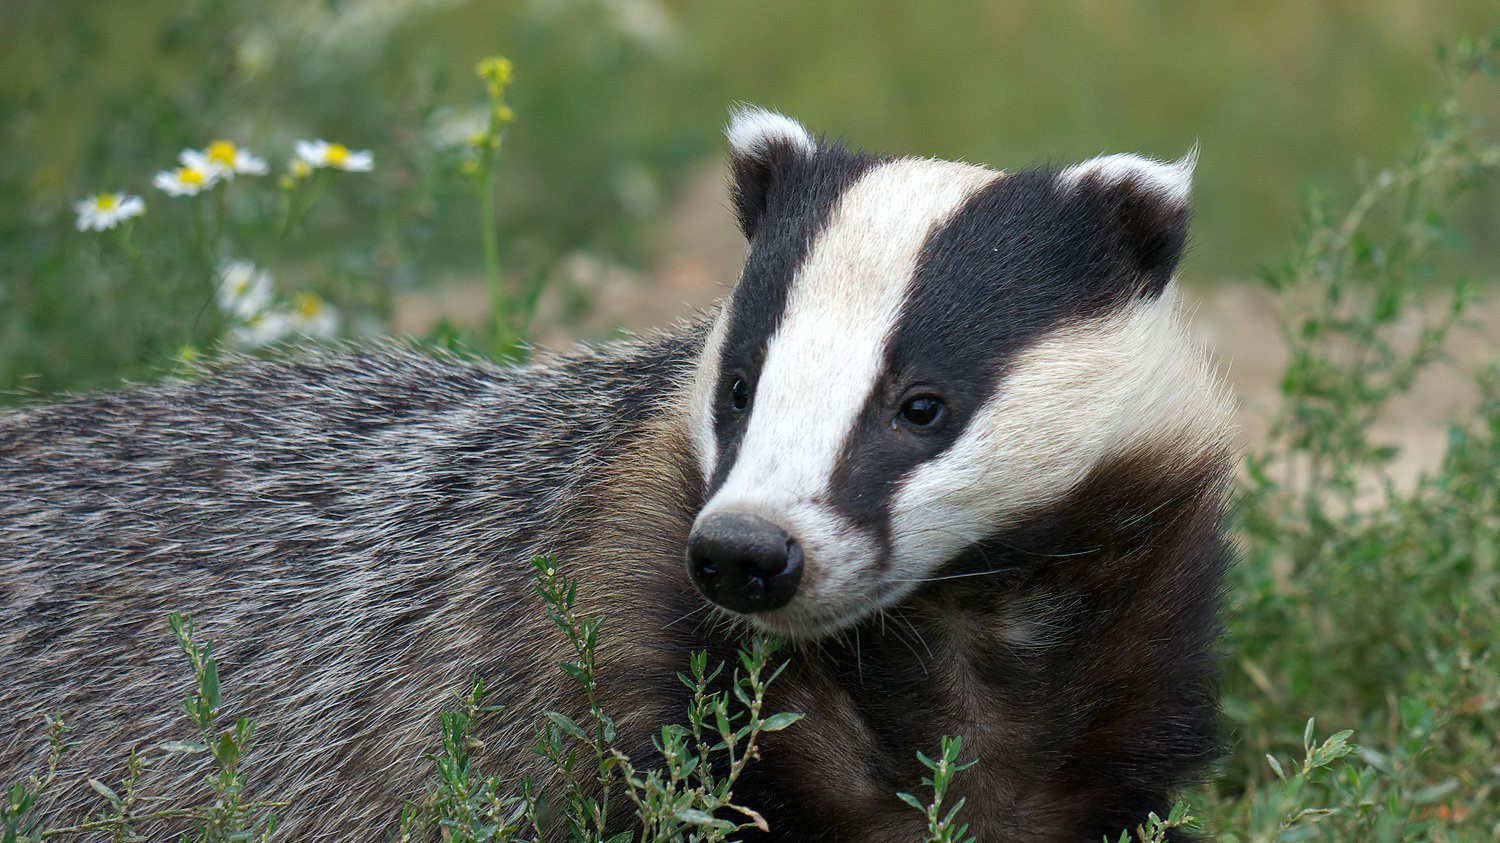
(920,355)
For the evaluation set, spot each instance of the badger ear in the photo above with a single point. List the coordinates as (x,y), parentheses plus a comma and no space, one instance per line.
(1147,200)
(762,144)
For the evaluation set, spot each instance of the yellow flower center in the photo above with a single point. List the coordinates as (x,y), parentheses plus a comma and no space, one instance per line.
(301,169)
(106,201)
(337,154)
(221,152)
(188,175)
(308,305)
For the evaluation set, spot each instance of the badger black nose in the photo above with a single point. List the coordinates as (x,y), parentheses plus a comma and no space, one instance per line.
(744,563)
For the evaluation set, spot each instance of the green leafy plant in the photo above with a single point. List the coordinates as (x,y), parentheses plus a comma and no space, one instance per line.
(688,796)
(1154,829)
(225,817)
(942,827)
(1370,601)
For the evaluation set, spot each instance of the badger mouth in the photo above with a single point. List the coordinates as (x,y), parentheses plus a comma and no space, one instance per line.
(796,624)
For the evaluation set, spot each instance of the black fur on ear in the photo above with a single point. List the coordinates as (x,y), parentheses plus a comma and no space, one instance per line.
(762,145)
(1146,201)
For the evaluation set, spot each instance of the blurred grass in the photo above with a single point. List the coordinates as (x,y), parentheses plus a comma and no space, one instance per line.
(619,102)
(621,97)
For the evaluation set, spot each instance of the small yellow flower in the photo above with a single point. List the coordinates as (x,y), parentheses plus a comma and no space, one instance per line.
(185,181)
(107,210)
(223,159)
(321,153)
(504,114)
(495,70)
(485,140)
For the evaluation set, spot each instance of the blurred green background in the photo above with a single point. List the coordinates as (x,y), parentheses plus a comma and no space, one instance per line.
(620,104)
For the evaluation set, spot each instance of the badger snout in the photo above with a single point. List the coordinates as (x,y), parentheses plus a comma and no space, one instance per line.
(744,562)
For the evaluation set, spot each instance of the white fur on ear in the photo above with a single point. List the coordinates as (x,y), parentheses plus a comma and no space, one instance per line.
(752,129)
(1172,180)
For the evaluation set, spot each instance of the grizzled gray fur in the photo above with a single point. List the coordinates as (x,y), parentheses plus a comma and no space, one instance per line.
(352,530)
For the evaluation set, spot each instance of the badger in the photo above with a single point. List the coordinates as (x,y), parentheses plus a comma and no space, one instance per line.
(948,437)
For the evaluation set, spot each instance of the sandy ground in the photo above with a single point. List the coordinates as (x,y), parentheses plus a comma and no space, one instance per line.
(703,251)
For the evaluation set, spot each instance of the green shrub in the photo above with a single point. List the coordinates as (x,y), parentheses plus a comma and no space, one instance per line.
(1373,606)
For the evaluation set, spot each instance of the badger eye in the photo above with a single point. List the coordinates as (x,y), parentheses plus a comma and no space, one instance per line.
(739,394)
(923,411)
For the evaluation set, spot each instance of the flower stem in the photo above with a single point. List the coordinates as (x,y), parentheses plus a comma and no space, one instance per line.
(500,308)
(219,201)
(201,246)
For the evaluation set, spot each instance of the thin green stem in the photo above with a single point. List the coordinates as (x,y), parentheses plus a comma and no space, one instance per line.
(284,218)
(132,252)
(219,201)
(500,306)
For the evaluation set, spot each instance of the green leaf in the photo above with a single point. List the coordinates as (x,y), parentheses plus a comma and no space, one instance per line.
(1434,792)
(1275,765)
(777,722)
(104,790)
(209,684)
(227,752)
(566,724)
(693,816)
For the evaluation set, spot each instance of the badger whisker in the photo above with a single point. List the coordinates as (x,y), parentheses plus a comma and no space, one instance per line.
(706,607)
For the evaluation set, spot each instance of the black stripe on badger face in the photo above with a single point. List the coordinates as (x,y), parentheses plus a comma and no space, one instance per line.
(1028,253)
(1030,306)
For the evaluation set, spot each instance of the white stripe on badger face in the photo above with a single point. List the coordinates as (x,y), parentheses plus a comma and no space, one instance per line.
(1133,379)
(825,359)
(705,390)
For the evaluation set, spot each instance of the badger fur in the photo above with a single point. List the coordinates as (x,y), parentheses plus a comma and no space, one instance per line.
(947,436)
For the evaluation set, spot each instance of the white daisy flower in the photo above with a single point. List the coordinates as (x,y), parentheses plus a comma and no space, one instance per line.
(261,329)
(309,316)
(107,210)
(321,153)
(223,159)
(312,317)
(185,181)
(244,290)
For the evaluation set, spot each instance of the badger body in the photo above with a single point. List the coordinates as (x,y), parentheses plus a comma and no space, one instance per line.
(947,436)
